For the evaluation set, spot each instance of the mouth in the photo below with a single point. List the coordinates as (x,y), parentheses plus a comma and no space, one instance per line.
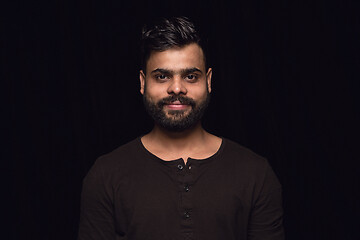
(176,105)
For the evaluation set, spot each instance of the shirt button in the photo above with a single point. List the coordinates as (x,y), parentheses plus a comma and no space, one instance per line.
(186,188)
(189,167)
(180,166)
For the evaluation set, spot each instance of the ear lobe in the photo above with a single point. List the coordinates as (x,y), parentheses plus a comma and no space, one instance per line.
(208,79)
(142,82)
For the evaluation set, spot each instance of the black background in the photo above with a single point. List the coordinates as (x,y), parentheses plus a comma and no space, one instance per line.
(285,84)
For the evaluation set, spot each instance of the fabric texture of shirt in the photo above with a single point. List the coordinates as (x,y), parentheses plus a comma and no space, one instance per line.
(132,194)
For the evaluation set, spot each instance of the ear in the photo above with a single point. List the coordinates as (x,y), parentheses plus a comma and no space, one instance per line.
(142,82)
(208,79)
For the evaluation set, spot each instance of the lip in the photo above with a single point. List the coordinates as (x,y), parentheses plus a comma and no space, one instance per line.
(177,105)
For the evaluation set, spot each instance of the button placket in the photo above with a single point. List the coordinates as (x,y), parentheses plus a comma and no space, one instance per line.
(186,215)
(185,182)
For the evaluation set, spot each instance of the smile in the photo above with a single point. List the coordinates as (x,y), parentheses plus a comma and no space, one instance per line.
(176,105)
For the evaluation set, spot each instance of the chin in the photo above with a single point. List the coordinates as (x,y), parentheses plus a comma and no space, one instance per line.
(177,113)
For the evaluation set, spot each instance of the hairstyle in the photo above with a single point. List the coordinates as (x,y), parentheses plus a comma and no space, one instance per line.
(167,33)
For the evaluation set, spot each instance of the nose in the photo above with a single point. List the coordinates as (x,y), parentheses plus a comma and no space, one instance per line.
(177,86)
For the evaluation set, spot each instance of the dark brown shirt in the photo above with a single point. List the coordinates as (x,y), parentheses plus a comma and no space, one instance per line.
(132,194)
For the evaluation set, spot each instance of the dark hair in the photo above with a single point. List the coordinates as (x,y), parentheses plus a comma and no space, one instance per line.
(165,33)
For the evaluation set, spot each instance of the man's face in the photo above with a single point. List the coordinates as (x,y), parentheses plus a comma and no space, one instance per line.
(176,88)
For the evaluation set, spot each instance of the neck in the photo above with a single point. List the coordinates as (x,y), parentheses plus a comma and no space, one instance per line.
(184,139)
(194,142)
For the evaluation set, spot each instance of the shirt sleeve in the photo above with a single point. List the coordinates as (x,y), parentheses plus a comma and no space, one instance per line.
(267,213)
(96,212)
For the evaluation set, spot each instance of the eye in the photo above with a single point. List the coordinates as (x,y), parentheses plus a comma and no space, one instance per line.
(161,77)
(191,77)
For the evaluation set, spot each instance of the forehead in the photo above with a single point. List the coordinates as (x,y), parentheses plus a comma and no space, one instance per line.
(177,58)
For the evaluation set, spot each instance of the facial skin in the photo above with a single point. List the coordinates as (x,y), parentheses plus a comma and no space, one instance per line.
(176,87)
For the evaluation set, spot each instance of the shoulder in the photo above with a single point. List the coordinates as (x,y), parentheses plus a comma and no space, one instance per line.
(248,165)
(236,152)
(126,150)
(121,158)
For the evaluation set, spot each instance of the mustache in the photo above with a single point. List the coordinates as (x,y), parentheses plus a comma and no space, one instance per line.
(173,98)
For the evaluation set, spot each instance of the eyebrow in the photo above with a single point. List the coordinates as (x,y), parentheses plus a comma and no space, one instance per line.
(182,71)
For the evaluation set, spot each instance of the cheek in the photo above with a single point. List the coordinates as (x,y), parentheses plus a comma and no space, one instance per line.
(152,91)
(200,91)
(155,88)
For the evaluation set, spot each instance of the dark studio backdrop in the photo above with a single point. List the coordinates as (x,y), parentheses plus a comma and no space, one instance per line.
(285,84)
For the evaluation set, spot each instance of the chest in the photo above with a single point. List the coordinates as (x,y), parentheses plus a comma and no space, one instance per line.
(182,191)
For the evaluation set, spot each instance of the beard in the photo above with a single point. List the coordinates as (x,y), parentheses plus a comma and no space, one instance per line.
(176,120)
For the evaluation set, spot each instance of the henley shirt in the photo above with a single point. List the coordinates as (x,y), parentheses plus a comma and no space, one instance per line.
(134,195)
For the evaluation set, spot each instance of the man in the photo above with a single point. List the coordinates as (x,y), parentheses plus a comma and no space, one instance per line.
(179,181)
